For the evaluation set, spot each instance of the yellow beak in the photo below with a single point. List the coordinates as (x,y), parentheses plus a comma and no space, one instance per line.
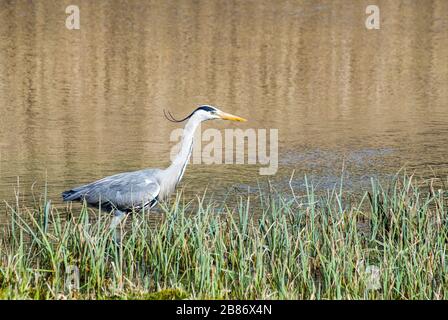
(228,116)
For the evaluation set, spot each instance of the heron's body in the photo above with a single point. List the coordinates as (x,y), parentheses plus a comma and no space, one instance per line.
(128,191)
(124,191)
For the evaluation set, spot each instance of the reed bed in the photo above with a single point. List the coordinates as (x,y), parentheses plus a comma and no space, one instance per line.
(389,242)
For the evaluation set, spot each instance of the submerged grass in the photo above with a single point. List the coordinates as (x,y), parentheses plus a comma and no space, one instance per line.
(389,243)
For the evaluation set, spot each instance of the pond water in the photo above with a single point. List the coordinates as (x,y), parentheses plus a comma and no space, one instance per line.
(77,105)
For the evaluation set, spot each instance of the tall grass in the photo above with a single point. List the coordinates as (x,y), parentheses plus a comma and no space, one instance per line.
(388,243)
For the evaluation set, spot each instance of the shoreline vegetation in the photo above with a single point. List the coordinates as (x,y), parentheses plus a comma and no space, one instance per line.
(388,243)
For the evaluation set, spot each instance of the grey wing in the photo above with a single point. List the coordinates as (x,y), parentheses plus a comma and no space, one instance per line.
(125,191)
(125,195)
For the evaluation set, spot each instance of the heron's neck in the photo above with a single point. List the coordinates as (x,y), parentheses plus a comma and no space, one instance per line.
(177,167)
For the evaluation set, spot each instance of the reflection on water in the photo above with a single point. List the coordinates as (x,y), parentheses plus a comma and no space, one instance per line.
(79,105)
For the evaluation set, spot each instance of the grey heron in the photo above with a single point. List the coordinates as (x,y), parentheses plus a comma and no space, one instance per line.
(124,192)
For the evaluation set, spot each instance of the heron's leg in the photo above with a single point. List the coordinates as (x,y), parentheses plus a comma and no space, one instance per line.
(116,220)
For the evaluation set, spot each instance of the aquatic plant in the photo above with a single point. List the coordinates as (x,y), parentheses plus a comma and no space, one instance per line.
(389,242)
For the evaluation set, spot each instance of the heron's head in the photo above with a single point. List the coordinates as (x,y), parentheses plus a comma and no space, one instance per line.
(206,112)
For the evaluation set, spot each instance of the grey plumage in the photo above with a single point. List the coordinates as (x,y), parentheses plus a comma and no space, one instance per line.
(136,190)
(124,191)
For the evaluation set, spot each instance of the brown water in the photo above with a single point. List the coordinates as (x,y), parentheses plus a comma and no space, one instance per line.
(77,105)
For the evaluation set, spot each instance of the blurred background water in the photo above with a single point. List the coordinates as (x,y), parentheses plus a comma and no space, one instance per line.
(77,105)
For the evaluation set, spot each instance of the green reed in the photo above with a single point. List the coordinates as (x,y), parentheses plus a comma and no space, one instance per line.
(388,243)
